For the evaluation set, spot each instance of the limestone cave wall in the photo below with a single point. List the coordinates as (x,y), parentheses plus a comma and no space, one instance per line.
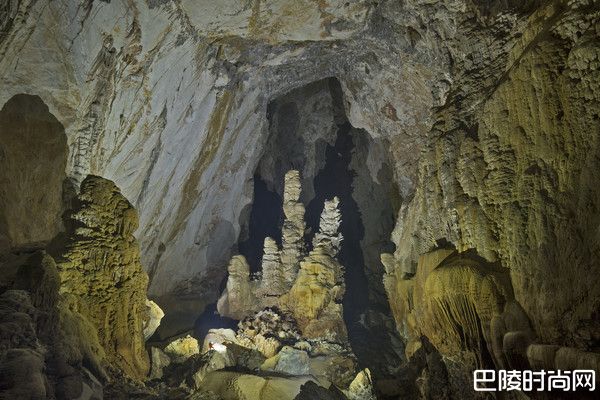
(518,184)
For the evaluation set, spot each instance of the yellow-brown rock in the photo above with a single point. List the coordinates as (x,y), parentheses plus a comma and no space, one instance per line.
(551,357)
(102,280)
(460,304)
(183,348)
(520,183)
(315,298)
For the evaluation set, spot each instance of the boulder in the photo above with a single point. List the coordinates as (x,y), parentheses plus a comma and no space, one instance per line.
(312,391)
(239,299)
(361,387)
(292,361)
(154,315)
(220,336)
(181,349)
(158,361)
(237,385)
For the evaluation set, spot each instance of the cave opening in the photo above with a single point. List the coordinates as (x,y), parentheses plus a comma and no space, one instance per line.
(309,131)
(33,158)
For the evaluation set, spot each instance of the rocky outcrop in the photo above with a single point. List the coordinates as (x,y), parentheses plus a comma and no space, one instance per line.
(158,362)
(102,282)
(552,357)
(465,308)
(293,330)
(310,287)
(361,387)
(181,349)
(21,354)
(153,317)
(315,299)
(272,283)
(267,331)
(46,350)
(312,391)
(329,238)
(508,180)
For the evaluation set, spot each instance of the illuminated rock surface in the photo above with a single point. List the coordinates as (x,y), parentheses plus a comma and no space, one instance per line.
(474,128)
(101,275)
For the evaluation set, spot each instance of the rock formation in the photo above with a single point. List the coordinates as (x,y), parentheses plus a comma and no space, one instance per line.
(304,334)
(293,227)
(153,317)
(182,349)
(22,356)
(101,278)
(33,159)
(273,283)
(315,299)
(239,299)
(465,308)
(308,286)
(485,114)
(329,237)
(266,354)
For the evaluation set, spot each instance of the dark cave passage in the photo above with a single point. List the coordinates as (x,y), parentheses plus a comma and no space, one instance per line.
(265,220)
(336,179)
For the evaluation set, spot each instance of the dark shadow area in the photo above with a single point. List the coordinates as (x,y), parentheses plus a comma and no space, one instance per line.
(336,179)
(33,158)
(266,218)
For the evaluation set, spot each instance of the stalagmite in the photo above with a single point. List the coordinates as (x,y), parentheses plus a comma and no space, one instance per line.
(238,300)
(461,138)
(293,226)
(308,287)
(329,236)
(101,274)
(273,283)
(154,315)
(316,296)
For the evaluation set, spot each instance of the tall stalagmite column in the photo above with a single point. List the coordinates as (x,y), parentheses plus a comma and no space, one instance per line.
(329,237)
(293,227)
(101,275)
(273,283)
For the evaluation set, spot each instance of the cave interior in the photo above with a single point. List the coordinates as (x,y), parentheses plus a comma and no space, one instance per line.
(291,200)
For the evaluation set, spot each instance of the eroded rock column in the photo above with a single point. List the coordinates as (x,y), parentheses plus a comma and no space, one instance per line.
(293,227)
(101,276)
